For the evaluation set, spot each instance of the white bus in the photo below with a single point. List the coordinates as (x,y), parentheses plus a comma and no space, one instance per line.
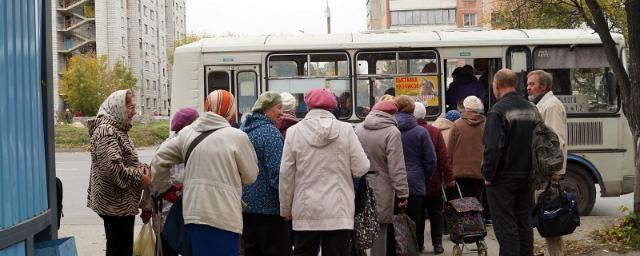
(359,68)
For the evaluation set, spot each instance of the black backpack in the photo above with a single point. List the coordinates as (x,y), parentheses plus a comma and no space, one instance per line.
(556,213)
(546,155)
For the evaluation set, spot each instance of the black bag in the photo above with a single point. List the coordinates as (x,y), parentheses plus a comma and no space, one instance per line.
(365,227)
(175,232)
(555,214)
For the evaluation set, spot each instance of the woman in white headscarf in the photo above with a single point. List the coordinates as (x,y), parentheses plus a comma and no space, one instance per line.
(117,175)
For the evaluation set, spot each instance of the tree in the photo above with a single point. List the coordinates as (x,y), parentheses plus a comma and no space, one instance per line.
(182,41)
(603,16)
(88,81)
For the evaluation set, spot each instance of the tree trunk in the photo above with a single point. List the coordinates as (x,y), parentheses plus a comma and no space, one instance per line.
(629,83)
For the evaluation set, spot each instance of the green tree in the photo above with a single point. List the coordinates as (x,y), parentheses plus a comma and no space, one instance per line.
(89,80)
(182,41)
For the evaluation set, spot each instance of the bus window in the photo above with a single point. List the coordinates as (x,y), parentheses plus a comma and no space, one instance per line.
(416,76)
(218,80)
(315,70)
(519,60)
(247,94)
(582,79)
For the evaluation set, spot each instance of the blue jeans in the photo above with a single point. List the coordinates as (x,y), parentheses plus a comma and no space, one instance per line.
(207,240)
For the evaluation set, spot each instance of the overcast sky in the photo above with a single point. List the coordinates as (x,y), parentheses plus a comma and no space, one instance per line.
(261,17)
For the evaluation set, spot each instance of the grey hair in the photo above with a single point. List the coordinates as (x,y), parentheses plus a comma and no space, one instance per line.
(544,78)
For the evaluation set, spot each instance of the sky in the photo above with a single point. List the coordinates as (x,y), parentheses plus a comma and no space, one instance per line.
(256,17)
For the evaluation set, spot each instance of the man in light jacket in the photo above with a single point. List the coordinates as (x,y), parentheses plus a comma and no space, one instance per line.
(555,117)
(321,157)
(216,170)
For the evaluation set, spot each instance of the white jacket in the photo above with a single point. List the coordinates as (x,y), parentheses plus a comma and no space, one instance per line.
(555,117)
(321,156)
(214,175)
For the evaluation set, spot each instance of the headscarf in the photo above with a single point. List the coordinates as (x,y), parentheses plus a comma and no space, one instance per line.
(452,115)
(420,111)
(288,102)
(182,118)
(320,98)
(222,103)
(115,107)
(473,103)
(266,100)
(386,106)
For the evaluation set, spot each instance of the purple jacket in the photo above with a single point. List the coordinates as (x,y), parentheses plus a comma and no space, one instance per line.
(419,154)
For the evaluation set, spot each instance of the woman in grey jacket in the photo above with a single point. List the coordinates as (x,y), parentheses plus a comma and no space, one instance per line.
(380,139)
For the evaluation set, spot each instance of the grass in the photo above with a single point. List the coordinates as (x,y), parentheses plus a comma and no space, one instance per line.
(623,236)
(143,135)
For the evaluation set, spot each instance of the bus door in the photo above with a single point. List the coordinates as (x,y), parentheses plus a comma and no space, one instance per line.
(465,66)
(241,80)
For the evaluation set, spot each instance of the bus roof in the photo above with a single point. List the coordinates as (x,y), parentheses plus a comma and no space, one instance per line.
(443,38)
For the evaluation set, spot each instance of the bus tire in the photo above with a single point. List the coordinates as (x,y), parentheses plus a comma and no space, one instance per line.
(578,182)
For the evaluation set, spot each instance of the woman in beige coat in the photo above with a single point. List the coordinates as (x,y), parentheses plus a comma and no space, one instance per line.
(380,138)
(321,156)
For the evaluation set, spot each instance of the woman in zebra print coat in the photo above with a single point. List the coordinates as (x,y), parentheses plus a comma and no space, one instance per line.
(117,176)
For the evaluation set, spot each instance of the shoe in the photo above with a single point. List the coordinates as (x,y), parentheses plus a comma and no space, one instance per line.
(488,222)
(437,249)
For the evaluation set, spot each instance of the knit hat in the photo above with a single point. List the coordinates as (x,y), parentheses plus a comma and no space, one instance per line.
(222,103)
(473,103)
(288,102)
(386,97)
(386,106)
(182,118)
(405,104)
(420,111)
(452,115)
(320,98)
(266,100)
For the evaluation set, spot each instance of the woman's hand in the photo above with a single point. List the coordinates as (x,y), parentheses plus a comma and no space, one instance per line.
(146,177)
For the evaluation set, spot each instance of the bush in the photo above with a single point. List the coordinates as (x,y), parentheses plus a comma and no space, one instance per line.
(623,236)
(143,135)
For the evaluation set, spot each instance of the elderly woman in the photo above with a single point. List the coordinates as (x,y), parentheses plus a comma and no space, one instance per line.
(419,159)
(380,138)
(265,231)
(117,175)
(214,174)
(288,116)
(466,148)
(321,156)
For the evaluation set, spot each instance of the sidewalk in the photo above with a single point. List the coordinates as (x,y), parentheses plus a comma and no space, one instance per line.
(90,239)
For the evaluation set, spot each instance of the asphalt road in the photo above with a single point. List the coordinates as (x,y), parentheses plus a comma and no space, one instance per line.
(73,170)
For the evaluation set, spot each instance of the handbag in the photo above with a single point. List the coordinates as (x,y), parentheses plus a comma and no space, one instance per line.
(555,214)
(365,226)
(175,232)
(405,235)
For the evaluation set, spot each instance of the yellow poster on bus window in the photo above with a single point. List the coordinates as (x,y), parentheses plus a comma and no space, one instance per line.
(422,89)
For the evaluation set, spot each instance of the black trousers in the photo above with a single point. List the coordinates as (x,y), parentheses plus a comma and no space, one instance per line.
(334,243)
(510,201)
(265,234)
(415,210)
(119,233)
(436,218)
(471,187)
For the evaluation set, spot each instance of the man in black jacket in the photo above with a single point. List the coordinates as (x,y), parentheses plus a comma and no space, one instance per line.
(507,164)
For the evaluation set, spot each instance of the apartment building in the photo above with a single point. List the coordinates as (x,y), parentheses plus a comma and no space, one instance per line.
(137,33)
(426,15)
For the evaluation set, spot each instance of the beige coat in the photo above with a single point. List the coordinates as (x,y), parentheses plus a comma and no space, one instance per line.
(321,156)
(381,141)
(555,117)
(214,175)
(445,127)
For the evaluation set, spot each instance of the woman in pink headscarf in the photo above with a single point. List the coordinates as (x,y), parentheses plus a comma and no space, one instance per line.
(321,156)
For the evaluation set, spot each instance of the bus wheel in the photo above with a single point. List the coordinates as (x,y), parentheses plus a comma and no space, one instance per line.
(578,182)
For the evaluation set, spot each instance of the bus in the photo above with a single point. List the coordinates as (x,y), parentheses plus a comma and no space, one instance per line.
(361,67)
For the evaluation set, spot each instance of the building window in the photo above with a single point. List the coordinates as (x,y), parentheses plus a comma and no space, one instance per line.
(146,29)
(155,85)
(147,85)
(424,17)
(123,42)
(152,15)
(470,20)
(155,103)
(145,10)
(147,101)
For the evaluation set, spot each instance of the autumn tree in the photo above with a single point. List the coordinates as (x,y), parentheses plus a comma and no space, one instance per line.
(604,17)
(88,81)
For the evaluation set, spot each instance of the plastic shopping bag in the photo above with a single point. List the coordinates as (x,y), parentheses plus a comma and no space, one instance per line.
(405,235)
(145,242)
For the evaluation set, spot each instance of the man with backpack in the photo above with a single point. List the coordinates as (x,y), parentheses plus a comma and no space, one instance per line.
(554,116)
(507,165)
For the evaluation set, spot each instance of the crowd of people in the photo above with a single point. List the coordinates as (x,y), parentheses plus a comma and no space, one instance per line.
(285,186)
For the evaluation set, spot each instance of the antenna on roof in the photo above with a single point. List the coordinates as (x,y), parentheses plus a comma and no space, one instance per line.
(328,18)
